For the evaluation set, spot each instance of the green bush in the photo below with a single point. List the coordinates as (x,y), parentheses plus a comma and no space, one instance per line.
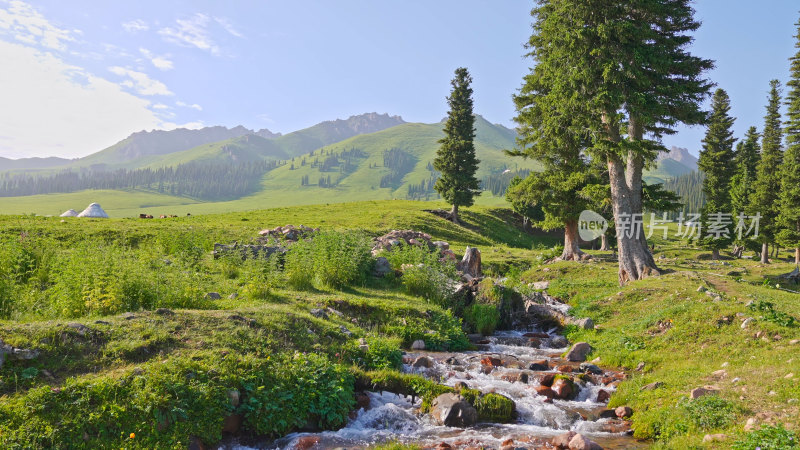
(411,254)
(768,438)
(442,332)
(382,354)
(710,412)
(260,276)
(429,283)
(482,318)
(333,259)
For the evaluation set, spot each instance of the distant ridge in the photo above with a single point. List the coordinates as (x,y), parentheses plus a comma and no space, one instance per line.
(31,163)
(680,155)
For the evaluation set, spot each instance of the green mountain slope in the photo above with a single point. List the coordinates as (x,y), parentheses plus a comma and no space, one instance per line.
(242,149)
(332,131)
(666,170)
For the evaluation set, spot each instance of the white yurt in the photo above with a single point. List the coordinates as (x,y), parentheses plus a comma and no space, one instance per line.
(70,213)
(93,210)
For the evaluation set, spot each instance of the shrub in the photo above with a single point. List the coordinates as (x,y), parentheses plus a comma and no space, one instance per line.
(710,412)
(334,259)
(482,318)
(429,283)
(447,332)
(260,276)
(768,438)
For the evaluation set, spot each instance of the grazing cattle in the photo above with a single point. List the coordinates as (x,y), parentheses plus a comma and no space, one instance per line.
(145,216)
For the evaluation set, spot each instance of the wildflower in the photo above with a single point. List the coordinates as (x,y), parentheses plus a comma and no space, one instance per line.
(133,435)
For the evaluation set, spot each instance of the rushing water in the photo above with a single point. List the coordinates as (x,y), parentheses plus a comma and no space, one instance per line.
(391,417)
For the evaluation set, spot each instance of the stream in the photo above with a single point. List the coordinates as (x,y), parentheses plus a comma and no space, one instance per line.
(391,417)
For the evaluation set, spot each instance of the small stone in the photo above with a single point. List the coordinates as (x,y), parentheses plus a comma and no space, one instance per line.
(788,375)
(794,341)
(541,285)
(747,322)
(233,296)
(345,331)
(652,386)
(558,341)
(725,364)
(715,437)
(722,373)
(164,312)
(585,323)
(539,365)
(319,313)
(735,380)
(590,368)
(701,391)
(640,366)
(603,396)
(701,289)
(213,296)
(750,425)
(564,389)
(419,344)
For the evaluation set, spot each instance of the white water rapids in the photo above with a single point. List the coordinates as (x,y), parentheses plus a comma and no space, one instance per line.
(391,417)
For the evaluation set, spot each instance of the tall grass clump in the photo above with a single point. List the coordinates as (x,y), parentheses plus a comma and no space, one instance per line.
(331,259)
(424,274)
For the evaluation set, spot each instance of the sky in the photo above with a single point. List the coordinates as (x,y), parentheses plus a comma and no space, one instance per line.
(79,76)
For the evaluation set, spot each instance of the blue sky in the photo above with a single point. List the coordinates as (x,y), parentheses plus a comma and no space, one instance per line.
(87,73)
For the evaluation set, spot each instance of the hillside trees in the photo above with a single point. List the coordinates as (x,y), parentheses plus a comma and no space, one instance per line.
(764,200)
(624,72)
(716,162)
(745,163)
(789,216)
(455,158)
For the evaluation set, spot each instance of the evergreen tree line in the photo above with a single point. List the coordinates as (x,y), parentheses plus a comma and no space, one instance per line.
(689,187)
(498,183)
(399,162)
(196,180)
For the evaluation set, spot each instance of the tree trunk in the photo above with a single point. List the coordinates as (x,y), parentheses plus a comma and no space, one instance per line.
(797,256)
(715,254)
(604,247)
(765,253)
(635,258)
(454,214)
(526,225)
(572,251)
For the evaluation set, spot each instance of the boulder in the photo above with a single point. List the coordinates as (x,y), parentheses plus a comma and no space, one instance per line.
(564,388)
(547,379)
(381,267)
(715,438)
(453,410)
(540,285)
(490,361)
(578,352)
(585,323)
(213,296)
(590,368)
(471,262)
(603,396)
(623,412)
(558,341)
(562,440)
(419,344)
(540,365)
(423,361)
(580,442)
(545,391)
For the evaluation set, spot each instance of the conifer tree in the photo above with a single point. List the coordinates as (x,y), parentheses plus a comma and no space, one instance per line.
(717,163)
(745,162)
(789,216)
(764,200)
(625,70)
(455,158)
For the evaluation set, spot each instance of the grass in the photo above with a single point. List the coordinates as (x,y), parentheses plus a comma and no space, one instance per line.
(165,374)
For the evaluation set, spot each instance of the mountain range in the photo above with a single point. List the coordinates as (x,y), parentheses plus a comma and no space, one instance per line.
(364,157)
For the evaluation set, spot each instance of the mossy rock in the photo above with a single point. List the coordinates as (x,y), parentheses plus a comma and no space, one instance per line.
(495,408)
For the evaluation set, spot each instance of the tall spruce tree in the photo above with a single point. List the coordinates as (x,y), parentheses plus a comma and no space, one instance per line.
(625,70)
(746,163)
(717,163)
(764,200)
(789,216)
(455,158)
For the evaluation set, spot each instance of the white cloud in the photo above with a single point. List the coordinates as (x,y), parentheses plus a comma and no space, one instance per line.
(186,105)
(53,108)
(190,125)
(135,25)
(140,82)
(160,106)
(191,32)
(27,25)
(228,26)
(161,62)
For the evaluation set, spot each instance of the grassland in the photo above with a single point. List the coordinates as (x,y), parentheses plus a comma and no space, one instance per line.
(164,374)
